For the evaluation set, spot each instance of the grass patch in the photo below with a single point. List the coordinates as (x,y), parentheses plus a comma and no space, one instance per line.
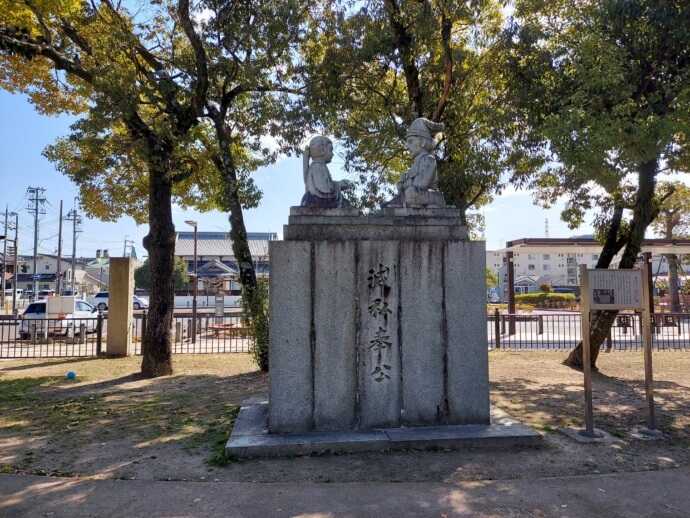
(219,455)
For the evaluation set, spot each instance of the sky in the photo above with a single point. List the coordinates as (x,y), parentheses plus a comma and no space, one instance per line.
(24,134)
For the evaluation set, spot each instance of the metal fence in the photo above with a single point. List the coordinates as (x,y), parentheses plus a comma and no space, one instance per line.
(49,338)
(227,334)
(670,331)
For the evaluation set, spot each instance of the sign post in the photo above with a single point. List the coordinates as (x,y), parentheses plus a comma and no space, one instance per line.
(611,290)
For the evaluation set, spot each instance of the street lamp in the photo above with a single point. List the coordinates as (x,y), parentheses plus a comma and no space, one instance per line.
(196,281)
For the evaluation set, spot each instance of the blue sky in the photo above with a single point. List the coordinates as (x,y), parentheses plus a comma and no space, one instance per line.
(24,134)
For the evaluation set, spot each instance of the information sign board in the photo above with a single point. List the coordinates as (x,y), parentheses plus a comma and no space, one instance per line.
(615,289)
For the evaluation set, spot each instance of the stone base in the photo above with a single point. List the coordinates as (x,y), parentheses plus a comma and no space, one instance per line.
(250,437)
(577,435)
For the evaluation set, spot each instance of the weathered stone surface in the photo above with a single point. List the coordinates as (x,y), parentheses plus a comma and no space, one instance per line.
(120,307)
(335,335)
(249,437)
(423,337)
(465,295)
(394,232)
(291,360)
(378,278)
(321,212)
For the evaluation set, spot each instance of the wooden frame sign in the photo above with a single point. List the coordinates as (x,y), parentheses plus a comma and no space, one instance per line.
(615,289)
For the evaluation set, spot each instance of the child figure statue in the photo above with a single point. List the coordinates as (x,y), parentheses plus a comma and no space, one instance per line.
(419,186)
(321,189)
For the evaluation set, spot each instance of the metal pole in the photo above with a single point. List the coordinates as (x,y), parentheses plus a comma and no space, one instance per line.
(16,266)
(196,287)
(511,293)
(4,257)
(58,272)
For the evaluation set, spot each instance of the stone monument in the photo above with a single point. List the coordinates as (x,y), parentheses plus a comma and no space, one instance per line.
(378,321)
(378,334)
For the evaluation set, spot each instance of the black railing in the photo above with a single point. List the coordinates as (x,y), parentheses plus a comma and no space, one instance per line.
(670,331)
(227,334)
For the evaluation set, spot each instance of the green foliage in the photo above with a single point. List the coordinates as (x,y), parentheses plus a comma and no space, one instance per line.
(605,84)
(255,317)
(491,277)
(545,287)
(373,69)
(540,298)
(142,275)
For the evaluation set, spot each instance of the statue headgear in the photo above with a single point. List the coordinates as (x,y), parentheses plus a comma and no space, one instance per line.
(422,127)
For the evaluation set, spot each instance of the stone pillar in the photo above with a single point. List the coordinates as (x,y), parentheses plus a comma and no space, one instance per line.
(377,322)
(120,293)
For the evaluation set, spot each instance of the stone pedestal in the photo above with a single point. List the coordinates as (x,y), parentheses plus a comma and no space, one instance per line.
(377,322)
(120,293)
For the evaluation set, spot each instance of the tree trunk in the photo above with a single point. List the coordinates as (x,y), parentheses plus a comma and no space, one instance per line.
(644,212)
(231,202)
(673,282)
(160,244)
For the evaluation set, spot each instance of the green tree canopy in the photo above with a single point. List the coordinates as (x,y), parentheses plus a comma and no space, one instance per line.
(142,275)
(374,68)
(605,86)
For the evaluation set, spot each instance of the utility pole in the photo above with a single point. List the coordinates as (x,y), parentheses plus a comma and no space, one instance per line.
(58,272)
(37,210)
(129,242)
(4,257)
(76,222)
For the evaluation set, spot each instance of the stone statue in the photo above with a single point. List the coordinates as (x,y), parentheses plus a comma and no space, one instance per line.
(321,190)
(419,186)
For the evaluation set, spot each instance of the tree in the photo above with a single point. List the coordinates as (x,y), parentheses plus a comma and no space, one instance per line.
(149,82)
(673,222)
(491,277)
(142,275)
(605,85)
(372,70)
(115,68)
(545,287)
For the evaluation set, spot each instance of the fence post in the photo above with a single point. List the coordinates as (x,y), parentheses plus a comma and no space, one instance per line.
(540,324)
(503,324)
(497,328)
(82,333)
(32,333)
(143,330)
(178,332)
(99,334)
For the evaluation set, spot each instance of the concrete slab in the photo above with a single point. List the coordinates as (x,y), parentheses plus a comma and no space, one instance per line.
(574,433)
(250,437)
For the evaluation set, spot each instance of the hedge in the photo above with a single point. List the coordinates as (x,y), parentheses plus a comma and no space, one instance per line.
(540,298)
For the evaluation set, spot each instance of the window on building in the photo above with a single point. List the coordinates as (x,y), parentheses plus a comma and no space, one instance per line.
(547,267)
(595,257)
(531,267)
(47,267)
(531,257)
(546,257)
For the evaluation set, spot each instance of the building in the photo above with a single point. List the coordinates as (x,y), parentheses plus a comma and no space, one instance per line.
(216,261)
(557,261)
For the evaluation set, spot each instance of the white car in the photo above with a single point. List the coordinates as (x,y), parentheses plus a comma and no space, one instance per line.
(67,324)
(100,300)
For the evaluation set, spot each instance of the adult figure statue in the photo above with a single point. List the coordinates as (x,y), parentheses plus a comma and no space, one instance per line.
(419,186)
(320,189)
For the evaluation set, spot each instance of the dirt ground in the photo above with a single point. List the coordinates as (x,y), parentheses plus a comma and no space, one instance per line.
(108,422)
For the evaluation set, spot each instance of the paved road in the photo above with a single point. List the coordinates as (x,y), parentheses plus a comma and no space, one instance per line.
(657,494)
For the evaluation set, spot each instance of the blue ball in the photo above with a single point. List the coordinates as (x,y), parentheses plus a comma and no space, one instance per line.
(71,375)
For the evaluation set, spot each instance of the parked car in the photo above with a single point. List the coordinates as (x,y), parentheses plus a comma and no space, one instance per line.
(57,316)
(100,300)
(140,302)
